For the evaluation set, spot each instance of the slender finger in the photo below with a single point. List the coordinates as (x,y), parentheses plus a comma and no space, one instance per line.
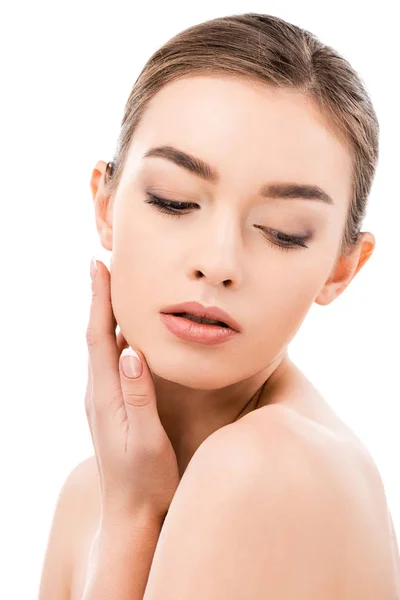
(102,347)
(89,415)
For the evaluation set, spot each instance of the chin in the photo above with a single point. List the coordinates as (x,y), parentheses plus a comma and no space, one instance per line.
(186,371)
(190,365)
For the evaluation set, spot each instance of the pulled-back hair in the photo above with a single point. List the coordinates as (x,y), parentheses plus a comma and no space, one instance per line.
(269,50)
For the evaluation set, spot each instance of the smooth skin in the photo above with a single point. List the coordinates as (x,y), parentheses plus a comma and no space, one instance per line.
(276,491)
(215,251)
(242,521)
(137,466)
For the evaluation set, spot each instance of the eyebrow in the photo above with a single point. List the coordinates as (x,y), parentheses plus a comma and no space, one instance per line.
(202,169)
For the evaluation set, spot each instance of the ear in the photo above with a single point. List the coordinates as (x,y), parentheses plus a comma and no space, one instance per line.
(346,268)
(101,205)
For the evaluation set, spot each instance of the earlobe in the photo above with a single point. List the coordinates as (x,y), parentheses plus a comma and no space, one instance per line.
(346,268)
(329,293)
(106,238)
(103,222)
(338,280)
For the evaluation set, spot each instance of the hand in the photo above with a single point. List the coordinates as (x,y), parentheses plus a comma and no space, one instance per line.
(136,462)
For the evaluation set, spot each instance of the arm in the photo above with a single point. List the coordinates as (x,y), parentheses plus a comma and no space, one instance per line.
(136,462)
(120,559)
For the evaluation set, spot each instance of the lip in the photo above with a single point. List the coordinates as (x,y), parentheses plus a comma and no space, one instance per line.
(210,312)
(197,332)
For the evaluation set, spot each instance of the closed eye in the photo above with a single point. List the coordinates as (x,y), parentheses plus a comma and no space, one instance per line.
(282,240)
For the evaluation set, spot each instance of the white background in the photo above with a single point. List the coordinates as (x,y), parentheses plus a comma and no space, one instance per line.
(67,71)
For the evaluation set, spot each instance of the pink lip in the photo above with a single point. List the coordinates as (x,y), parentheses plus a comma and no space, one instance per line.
(210,312)
(197,332)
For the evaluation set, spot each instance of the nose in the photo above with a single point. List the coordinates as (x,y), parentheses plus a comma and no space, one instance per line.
(217,256)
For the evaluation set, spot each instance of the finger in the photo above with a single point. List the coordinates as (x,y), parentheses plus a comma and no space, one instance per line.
(102,347)
(139,396)
(89,415)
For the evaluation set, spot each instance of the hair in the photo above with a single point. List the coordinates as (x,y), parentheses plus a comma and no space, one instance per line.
(267,50)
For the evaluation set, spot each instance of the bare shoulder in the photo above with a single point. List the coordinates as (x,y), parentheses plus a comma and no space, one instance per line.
(273,496)
(336,483)
(279,436)
(74,502)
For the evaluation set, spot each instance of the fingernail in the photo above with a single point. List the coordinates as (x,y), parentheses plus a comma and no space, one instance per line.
(93,268)
(131,363)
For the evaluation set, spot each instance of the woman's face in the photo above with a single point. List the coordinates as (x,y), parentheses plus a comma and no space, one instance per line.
(217,253)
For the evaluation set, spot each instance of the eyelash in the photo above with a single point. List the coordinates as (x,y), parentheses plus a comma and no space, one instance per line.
(290,242)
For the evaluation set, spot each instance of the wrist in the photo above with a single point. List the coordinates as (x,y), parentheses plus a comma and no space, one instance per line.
(117,520)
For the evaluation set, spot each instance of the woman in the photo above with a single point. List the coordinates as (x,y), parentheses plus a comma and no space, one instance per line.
(236,194)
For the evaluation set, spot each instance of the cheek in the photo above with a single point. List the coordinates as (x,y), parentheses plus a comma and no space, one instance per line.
(144,242)
(132,290)
(284,299)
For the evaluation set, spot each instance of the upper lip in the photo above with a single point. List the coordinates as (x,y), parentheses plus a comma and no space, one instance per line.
(210,312)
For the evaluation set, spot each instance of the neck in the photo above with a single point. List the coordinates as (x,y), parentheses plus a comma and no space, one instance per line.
(190,415)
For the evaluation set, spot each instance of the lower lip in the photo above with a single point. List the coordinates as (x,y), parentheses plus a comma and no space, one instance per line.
(196,332)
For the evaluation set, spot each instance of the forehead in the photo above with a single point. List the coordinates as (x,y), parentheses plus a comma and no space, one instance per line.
(248,130)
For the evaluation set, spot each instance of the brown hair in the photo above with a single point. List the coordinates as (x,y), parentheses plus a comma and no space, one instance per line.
(268,50)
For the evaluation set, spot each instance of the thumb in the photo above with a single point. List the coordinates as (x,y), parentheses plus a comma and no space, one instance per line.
(136,380)
(139,396)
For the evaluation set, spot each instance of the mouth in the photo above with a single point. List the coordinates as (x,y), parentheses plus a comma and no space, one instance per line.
(197,329)
(204,315)
(202,320)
